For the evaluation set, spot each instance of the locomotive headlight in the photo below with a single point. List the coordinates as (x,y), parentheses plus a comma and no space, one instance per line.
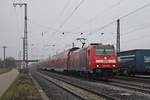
(114,65)
(97,65)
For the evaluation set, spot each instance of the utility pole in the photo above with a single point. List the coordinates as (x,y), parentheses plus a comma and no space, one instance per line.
(19,58)
(73,44)
(25,38)
(118,36)
(4,47)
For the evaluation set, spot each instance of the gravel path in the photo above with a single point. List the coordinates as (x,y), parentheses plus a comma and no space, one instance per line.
(7,79)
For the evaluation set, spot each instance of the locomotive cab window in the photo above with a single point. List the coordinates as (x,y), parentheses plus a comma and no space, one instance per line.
(104,52)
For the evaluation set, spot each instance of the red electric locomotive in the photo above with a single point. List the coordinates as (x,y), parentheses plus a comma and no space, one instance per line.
(102,59)
(96,59)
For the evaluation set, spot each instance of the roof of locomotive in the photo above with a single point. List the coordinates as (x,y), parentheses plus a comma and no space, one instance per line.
(100,45)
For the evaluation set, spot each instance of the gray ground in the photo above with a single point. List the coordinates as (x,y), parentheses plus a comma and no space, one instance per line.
(7,79)
(52,91)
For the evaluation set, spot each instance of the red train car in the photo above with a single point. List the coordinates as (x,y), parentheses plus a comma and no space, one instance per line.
(102,59)
(96,59)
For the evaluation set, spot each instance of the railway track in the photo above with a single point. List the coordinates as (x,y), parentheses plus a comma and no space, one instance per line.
(110,92)
(137,86)
(141,85)
(53,91)
(78,91)
(142,76)
(137,79)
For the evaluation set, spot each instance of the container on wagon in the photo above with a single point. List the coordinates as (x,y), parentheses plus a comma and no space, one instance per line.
(135,61)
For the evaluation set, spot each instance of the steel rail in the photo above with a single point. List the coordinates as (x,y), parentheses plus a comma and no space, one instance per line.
(83,93)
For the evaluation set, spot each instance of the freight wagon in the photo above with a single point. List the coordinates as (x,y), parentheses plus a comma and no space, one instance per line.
(134,61)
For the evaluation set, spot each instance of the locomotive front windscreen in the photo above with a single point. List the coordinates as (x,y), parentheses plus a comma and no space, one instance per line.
(104,50)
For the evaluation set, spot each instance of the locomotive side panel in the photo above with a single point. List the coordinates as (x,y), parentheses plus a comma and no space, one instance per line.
(83,66)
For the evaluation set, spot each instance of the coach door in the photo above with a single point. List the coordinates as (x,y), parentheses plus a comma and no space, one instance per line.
(88,58)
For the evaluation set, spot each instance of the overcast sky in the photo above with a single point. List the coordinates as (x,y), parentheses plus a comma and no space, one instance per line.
(53,17)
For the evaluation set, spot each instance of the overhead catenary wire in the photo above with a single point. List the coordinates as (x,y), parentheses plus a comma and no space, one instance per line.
(134,11)
(106,25)
(101,28)
(40,25)
(17,20)
(103,11)
(62,11)
(67,19)
(134,30)
(64,8)
(76,8)
(64,22)
(140,28)
(71,14)
(137,38)
(49,28)
(124,16)
(121,17)
(18,17)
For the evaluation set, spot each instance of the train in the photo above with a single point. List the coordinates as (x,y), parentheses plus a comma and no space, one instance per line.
(133,62)
(94,60)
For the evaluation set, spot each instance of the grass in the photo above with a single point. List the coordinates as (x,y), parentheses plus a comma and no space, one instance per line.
(4,70)
(22,89)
